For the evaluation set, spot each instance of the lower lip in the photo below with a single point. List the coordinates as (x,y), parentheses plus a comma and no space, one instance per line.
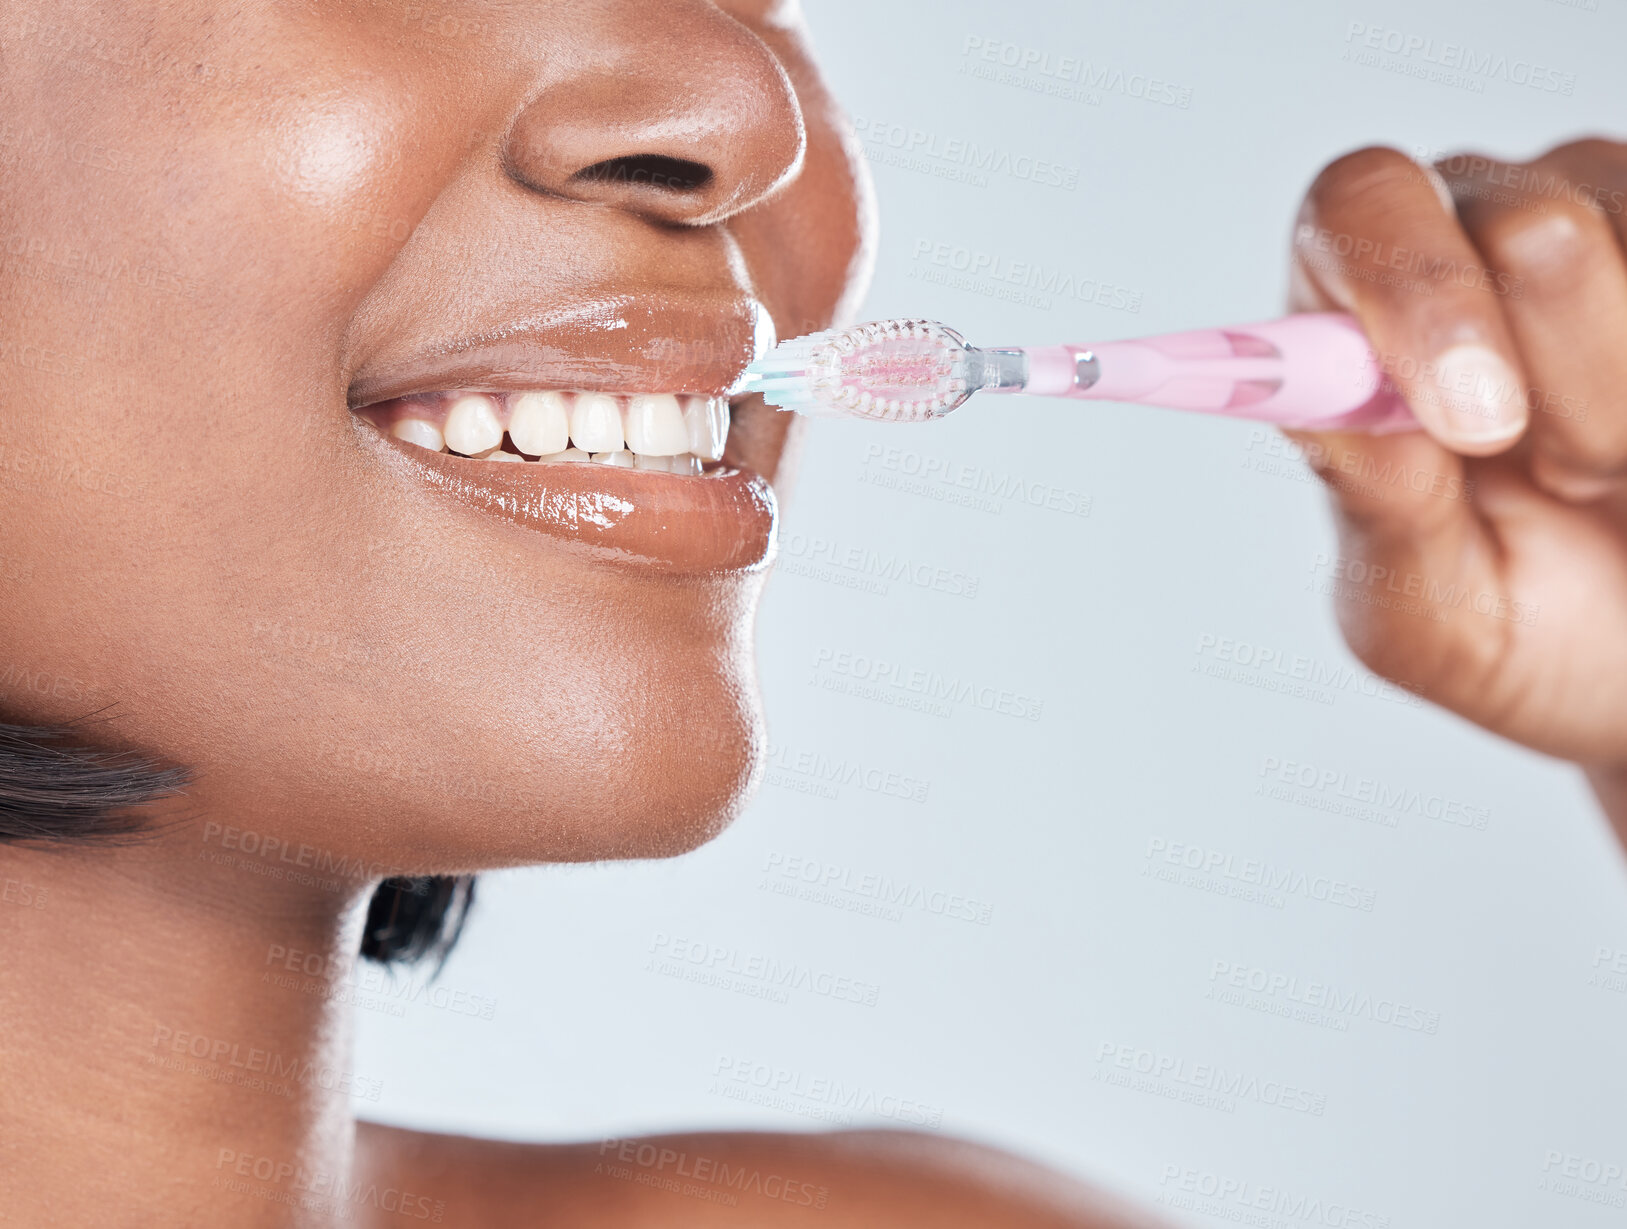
(721,521)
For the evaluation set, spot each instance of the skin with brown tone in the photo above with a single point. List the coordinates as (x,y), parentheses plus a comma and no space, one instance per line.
(225,226)
(1526,260)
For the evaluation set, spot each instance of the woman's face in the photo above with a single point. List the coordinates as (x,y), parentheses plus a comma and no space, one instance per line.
(226,228)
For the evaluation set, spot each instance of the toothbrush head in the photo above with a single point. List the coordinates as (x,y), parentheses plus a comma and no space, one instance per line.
(888,371)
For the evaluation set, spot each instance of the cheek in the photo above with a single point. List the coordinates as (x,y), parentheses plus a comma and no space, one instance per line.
(196,566)
(332,158)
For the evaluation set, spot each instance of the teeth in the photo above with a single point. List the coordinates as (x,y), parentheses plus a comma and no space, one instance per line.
(540,422)
(655,425)
(706,421)
(596,423)
(472,425)
(676,433)
(417,431)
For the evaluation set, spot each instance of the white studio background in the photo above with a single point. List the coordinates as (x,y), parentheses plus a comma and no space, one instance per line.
(1106,555)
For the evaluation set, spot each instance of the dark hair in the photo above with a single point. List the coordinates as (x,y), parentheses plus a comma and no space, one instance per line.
(55,791)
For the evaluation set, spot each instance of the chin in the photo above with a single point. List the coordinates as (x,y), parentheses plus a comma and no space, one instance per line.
(647,748)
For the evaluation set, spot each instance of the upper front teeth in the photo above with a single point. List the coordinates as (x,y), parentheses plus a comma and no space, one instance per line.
(707,427)
(472,425)
(596,423)
(417,431)
(646,430)
(539,423)
(655,425)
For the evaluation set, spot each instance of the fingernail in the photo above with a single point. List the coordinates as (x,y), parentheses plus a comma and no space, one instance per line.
(1474,396)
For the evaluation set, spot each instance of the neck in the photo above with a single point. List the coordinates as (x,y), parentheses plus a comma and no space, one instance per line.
(157,1054)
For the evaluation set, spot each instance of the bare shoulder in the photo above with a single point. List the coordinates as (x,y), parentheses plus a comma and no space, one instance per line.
(719,1180)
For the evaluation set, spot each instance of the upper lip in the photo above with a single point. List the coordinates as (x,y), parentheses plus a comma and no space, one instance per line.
(615,343)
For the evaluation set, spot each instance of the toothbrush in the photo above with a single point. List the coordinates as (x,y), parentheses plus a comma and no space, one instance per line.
(1314,370)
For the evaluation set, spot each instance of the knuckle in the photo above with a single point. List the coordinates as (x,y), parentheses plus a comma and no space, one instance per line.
(1377,639)
(1570,454)
(1590,150)
(1393,646)
(1366,182)
(1470,165)
(1577,471)
(1550,246)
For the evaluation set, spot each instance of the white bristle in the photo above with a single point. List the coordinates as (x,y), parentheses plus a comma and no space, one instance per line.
(805,374)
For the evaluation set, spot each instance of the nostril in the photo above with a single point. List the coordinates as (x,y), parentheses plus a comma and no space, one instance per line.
(648,170)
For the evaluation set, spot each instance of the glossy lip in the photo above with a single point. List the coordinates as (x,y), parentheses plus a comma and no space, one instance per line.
(620,344)
(721,521)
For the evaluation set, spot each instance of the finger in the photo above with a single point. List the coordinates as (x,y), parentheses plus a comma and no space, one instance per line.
(1402,506)
(1378,237)
(1410,542)
(1403,485)
(1549,225)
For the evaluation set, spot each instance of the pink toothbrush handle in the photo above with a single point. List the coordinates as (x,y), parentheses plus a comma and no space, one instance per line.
(1313,370)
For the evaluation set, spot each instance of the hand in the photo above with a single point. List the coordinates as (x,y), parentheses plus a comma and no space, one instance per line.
(1484,560)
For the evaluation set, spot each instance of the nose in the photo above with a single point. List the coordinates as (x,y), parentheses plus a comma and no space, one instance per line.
(675,112)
